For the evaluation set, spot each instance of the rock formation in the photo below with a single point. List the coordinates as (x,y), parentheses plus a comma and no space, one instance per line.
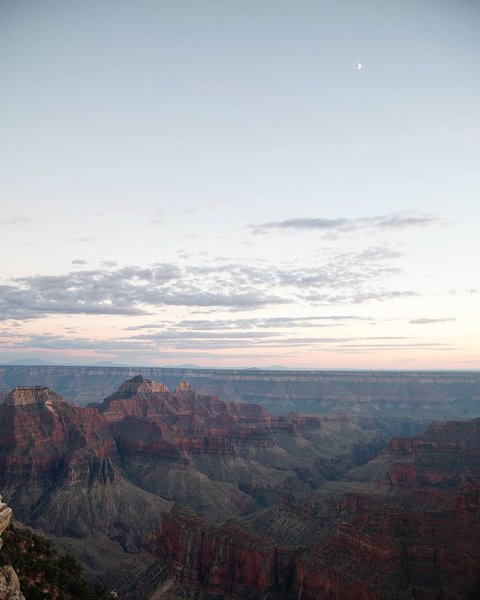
(59,470)
(424,395)
(101,477)
(5,516)
(278,507)
(413,533)
(225,459)
(9,584)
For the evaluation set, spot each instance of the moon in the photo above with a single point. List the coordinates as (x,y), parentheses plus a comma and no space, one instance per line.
(359,66)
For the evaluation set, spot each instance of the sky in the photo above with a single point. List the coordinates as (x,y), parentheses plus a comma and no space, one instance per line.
(241,184)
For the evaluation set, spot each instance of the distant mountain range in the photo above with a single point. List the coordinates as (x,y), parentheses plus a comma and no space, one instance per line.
(31,362)
(34,362)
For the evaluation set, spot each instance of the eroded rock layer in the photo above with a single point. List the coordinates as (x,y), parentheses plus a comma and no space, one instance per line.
(102,476)
(413,533)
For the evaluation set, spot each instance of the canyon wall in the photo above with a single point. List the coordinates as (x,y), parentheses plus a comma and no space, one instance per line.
(413,533)
(440,394)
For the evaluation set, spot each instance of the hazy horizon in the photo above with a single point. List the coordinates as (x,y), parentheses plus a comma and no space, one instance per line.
(186,367)
(240,184)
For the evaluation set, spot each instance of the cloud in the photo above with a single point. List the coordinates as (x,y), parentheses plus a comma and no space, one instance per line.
(129,290)
(245,324)
(429,321)
(342,278)
(79,262)
(14,221)
(367,348)
(184,340)
(349,225)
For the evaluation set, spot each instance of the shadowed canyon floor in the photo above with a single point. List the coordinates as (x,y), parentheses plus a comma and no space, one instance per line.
(201,498)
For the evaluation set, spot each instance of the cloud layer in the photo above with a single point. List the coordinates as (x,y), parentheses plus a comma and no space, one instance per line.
(342,278)
(187,343)
(348,225)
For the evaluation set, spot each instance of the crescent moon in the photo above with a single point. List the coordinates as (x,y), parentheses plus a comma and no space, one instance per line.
(359,66)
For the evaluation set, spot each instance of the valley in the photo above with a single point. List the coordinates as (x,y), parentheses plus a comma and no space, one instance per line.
(180,494)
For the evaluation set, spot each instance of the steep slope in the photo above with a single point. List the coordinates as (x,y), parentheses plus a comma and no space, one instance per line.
(43,573)
(9,583)
(58,471)
(101,478)
(226,459)
(411,534)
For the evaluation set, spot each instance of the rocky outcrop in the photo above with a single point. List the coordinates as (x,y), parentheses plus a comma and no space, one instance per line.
(138,385)
(44,439)
(40,395)
(9,584)
(5,516)
(59,469)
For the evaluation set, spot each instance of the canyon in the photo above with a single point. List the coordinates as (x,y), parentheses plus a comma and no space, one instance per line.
(101,477)
(181,494)
(412,533)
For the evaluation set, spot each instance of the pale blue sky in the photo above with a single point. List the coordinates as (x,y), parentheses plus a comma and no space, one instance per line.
(190,134)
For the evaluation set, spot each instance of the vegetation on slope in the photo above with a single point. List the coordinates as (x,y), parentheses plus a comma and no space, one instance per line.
(43,573)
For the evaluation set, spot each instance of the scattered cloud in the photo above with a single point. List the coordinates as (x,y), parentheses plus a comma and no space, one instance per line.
(189,344)
(79,262)
(367,348)
(429,321)
(128,291)
(350,225)
(252,323)
(341,278)
(14,221)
